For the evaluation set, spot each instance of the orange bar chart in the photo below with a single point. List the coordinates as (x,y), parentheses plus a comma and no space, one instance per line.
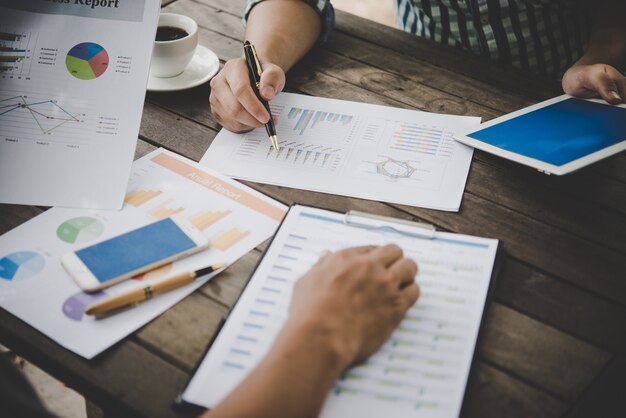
(140,197)
(203,220)
(163,211)
(229,238)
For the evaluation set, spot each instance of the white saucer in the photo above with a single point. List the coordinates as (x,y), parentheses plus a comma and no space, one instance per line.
(203,66)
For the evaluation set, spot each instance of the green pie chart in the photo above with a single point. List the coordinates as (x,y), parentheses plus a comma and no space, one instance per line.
(80,230)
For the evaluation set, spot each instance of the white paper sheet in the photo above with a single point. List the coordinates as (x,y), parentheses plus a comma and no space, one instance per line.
(72,85)
(35,287)
(353,149)
(421,371)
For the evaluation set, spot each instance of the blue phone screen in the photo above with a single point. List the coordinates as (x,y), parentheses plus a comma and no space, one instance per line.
(135,249)
(560,133)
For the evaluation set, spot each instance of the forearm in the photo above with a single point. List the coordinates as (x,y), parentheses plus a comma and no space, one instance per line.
(283,31)
(292,381)
(607,44)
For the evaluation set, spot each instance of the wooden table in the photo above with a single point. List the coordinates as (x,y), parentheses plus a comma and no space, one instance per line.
(555,337)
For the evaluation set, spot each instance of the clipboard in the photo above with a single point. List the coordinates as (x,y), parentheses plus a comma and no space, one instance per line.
(372,223)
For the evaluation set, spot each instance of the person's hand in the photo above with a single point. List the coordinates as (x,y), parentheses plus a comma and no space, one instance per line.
(596,80)
(233,102)
(355,298)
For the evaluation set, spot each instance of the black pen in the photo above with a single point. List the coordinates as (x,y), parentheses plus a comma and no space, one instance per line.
(255,71)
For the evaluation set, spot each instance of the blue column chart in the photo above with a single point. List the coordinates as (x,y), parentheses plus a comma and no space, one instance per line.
(308,119)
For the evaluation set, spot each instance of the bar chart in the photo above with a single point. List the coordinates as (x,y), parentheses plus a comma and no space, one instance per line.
(16,48)
(226,240)
(165,209)
(309,119)
(140,197)
(204,220)
(422,139)
(299,153)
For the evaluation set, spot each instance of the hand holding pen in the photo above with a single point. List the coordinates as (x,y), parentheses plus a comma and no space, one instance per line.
(255,70)
(234,101)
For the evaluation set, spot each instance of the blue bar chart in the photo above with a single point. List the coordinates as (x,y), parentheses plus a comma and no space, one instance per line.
(298,153)
(309,119)
(16,50)
(422,139)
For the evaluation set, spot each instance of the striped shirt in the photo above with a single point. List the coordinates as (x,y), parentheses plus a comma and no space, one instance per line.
(544,37)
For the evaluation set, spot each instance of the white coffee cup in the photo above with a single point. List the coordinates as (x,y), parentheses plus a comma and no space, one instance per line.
(170,58)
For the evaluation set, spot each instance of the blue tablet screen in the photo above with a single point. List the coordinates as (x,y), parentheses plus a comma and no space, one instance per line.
(560,133)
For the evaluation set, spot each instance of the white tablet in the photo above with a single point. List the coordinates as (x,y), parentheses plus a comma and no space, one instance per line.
(557,136)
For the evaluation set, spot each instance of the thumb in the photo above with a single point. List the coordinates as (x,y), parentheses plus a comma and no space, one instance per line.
(272,81)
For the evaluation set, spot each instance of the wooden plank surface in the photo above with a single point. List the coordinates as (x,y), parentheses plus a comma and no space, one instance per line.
(554,340)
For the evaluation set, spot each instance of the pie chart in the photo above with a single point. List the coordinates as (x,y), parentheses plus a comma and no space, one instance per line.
(87,61)
(74,306)
(80,230)
(21,265)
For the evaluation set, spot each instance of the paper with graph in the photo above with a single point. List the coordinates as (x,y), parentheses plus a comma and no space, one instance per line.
(72,85)
(353,149)
(420,372)
(35,287)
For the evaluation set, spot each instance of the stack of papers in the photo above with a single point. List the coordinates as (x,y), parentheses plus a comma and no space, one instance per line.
(35,287)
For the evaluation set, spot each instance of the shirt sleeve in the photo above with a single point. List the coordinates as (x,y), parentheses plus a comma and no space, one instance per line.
(323,8)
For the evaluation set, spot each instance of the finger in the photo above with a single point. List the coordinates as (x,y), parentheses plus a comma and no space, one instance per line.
(387,254)
(272,81)
(235,110)
(621,88)
(325,254)
(603,84)
(409,295)
(364,249)
(232,117)
(242,89)
(403,272)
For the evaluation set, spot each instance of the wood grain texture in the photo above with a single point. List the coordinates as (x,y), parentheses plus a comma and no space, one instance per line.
(492,393)
(607,396)
(555,362)
(181,334)
(554,341)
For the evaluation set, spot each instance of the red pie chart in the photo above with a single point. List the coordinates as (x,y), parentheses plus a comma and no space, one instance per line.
(87,61)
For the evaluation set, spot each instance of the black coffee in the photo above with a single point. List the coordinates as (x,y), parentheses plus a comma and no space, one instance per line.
(170,33)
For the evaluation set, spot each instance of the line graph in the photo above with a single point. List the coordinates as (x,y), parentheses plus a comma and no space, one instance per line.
(40,112)
(46,119)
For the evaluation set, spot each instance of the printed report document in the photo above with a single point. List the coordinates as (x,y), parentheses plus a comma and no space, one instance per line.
(353,149)
(421,371)
(72,84)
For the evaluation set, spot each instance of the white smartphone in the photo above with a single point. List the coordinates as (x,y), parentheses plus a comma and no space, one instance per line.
(143,249)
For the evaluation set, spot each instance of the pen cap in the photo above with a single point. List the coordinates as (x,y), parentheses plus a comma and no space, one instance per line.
(254,66)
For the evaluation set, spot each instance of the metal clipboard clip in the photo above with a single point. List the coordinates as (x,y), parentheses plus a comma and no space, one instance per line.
(386,224)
